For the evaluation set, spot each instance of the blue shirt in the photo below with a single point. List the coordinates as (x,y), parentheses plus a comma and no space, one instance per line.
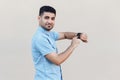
(43,43)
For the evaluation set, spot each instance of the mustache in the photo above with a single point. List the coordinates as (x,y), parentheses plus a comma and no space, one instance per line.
(48,24)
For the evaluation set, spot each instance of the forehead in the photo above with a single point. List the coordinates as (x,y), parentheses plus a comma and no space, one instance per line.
(48,14)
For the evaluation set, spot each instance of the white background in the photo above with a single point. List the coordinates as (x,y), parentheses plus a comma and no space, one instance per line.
(99,59)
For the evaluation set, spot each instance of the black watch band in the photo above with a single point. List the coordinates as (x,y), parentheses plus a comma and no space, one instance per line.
(78,35)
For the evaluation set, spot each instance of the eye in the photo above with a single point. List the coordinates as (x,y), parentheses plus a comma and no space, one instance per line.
(46,17)
(53,18)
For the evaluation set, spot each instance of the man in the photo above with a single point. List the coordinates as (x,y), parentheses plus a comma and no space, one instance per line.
(46,58)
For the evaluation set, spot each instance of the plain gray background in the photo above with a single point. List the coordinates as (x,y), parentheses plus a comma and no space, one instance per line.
(99,59)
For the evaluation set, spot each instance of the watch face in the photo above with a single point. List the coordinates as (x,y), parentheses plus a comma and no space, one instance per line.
(78,35)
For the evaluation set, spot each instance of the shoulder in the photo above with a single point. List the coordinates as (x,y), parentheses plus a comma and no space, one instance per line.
(54,35)
(38,37)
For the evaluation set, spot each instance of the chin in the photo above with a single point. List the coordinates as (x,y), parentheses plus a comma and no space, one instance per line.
(48,29)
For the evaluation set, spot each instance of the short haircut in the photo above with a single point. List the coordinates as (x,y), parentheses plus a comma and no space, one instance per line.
(46,9)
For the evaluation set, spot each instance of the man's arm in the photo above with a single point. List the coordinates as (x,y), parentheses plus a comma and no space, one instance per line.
(66,35)
(70,35)
(60,58)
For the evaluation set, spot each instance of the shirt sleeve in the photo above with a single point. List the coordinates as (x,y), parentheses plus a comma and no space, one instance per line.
(43,45)
(55,35)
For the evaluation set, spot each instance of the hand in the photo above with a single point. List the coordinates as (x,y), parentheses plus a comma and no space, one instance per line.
(83,37)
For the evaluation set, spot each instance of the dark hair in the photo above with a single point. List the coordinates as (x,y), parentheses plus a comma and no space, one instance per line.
(46,9)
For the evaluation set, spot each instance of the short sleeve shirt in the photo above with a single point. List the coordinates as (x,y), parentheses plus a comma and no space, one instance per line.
(43,43)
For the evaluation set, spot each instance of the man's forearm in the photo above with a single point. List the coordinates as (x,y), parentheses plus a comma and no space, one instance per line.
(61,57)
(64,55)
(69,35)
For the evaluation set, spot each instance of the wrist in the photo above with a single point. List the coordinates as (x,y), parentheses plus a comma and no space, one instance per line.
(78,35)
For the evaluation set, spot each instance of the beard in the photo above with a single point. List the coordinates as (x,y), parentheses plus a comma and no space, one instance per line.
(47,28)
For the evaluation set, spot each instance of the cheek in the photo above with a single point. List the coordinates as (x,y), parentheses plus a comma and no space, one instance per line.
(53,22)
(43,21)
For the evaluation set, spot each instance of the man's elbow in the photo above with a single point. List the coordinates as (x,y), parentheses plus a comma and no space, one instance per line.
(58,63)
(53,57)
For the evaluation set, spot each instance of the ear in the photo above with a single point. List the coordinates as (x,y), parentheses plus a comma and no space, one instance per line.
(39,17)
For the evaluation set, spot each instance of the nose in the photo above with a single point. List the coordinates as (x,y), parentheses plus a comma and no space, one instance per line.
(49,21)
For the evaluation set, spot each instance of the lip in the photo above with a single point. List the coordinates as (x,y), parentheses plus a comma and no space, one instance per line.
(49,25)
